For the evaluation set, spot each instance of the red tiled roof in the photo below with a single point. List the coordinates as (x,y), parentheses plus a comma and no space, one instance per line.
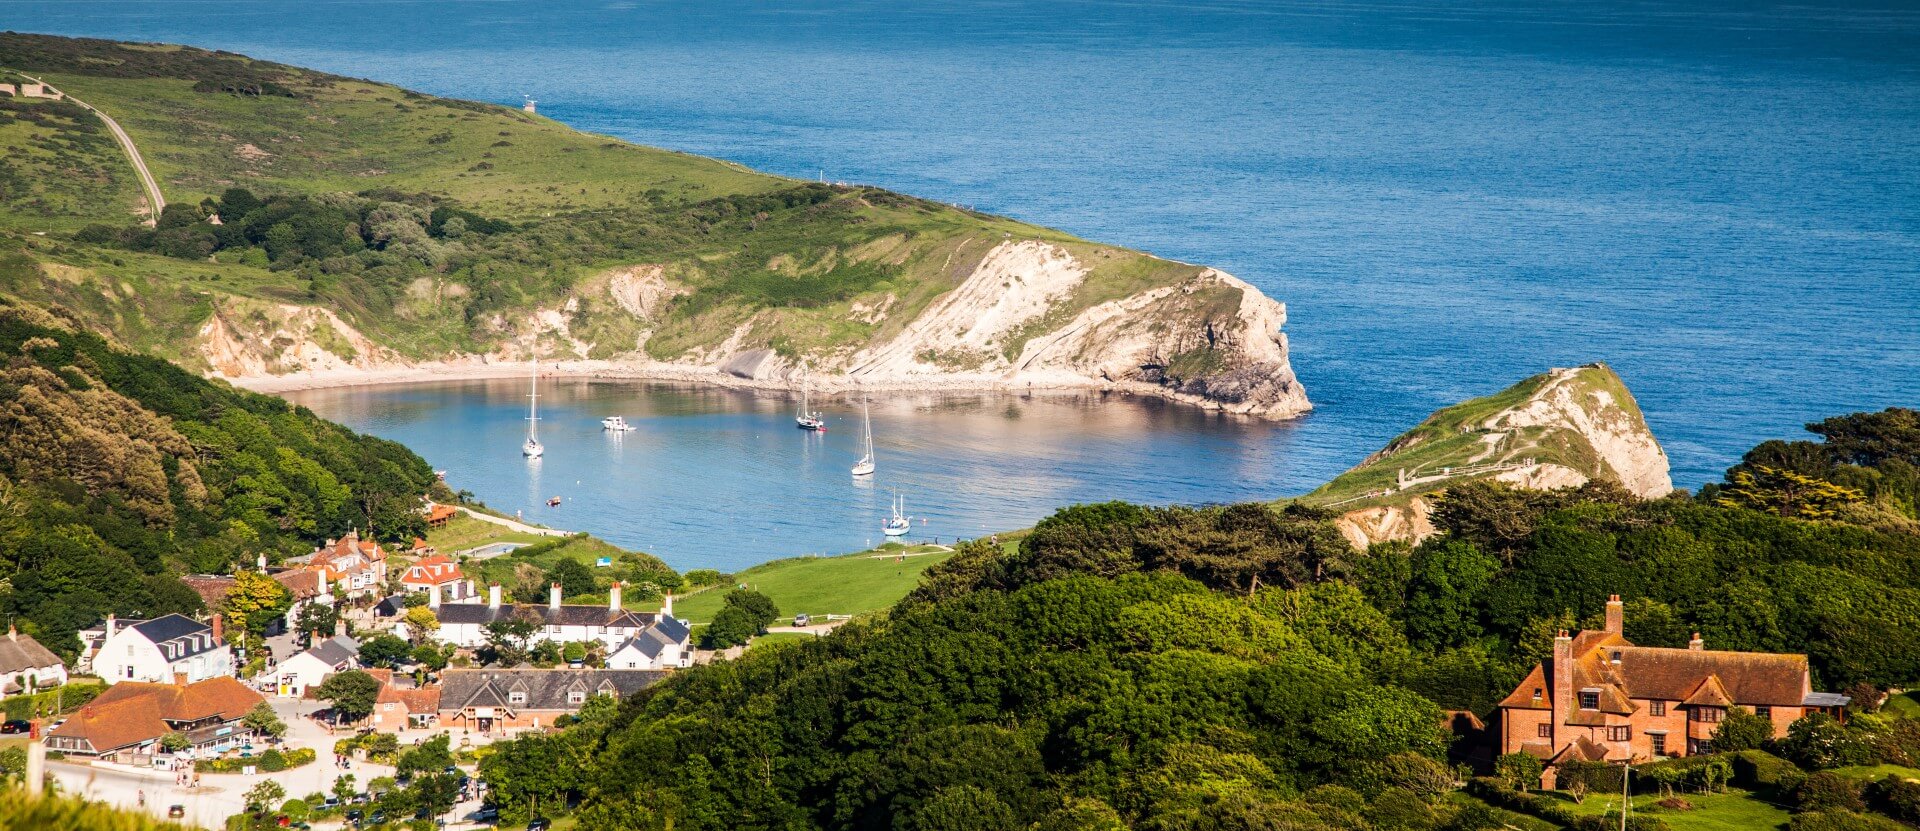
(440,512)
(133,712)
(432,570)
(1709,693)
(302,583)
(1656,673)
(211,588)
(1523,697)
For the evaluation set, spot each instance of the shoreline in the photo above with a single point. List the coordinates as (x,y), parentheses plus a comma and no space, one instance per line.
(709,377)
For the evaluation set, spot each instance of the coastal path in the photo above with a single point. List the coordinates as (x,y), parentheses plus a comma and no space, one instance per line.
(155,200)
(515,525)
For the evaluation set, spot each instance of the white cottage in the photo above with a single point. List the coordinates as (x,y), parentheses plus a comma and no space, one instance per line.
(313,666)
(162,650)
(465,624)
(26,666)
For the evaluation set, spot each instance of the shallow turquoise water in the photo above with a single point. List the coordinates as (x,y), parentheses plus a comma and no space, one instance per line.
(1721,199)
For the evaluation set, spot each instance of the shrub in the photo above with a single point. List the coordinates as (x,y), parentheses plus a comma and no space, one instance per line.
(1818,742)
(1760,770)
(1842,821)
(295,809)
(272,761)
(1742,730)
(1897,797)
(1829,791)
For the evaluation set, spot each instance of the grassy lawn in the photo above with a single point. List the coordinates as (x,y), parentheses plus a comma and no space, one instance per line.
(1871,773)
(850,584)
(1904,705)
(464,532)
(1734,810)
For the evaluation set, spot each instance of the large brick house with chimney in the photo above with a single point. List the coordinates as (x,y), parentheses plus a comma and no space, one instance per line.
(1604,699)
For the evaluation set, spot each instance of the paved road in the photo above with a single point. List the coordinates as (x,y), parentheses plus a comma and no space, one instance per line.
(516,525)
(147,182)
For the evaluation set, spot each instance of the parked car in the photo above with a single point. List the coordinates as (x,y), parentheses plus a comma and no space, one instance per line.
(487,813)
(354,816)
(176,812)
(539,824)
(18,725)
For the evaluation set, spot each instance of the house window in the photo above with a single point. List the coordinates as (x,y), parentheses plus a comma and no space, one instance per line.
(1619,734)
(1657,708)
(1589,700)
(576,697)
(1709,715)
(1763,712)
(1696,747)
(1658,743)
(1546,731)
(516,697)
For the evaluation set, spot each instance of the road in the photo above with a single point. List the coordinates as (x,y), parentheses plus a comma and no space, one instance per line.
(516,525)
(154,199)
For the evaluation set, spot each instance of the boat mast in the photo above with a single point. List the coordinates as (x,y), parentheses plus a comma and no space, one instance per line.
(533,404)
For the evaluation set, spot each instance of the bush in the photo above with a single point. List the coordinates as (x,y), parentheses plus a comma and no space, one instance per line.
(1897,797)
(296,810)
(1842,821)
(272,761)
(1742,730)
(1818,742)
(1829,791)
(1758,770)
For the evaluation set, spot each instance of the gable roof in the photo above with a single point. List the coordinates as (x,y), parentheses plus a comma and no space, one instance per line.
(132,712)
(433,569)
(482,614)
(1691,676)
(302,584)
(546,689)
(172,628)
(335,651)
(212,588)
(21,652)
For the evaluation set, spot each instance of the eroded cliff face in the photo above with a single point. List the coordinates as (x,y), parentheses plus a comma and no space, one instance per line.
(1557,430)
(1028,314)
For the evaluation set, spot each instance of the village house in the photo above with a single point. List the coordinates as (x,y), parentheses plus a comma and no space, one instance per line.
(612,626)
(357,566)
(162,649)
(305,587)
(439,573)
(26,666)
(507,700)
(401,707)
(439,515)
(664,644)
(1603,699)
(311,667)
(126,722)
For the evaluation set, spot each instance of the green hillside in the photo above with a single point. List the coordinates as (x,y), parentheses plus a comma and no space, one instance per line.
(850,584)
(337,193)
(1476,440)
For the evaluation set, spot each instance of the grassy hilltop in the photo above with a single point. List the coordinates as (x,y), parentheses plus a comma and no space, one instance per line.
(568,244)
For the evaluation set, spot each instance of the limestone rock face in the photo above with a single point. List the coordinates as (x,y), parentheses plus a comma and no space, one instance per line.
(1560,429)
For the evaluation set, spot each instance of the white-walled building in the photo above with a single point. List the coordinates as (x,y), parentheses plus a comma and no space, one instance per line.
(26,666)
(665,644)
(162,650)
(311,667)
(438,572)
(465,624)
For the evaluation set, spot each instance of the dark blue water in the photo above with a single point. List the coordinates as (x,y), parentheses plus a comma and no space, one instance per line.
(1721,199)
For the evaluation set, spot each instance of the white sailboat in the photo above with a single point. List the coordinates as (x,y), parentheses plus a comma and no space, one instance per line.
(806,418)
(899,524)
(864,467)
(532,448)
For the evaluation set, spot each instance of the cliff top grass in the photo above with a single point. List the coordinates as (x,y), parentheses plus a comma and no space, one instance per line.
(794,261)
(1457,437)
(850,584)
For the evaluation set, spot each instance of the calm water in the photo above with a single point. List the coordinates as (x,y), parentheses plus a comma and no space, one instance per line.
(724,479)
(1720,198)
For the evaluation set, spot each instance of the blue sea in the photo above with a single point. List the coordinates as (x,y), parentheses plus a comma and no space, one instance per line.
(1719,198)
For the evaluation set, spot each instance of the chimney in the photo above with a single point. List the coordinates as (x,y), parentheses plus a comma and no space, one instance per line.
(553,597)
(12,633)
(666,606)
(339,628)
(493,595)
(1563,701)
(111,624)
(323,581)
(1616,616)
(613,597)
(1697,644)
(219,628)
(433,596)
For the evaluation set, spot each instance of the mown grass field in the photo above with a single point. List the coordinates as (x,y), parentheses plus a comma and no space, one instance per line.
(851,584)
(1734,810)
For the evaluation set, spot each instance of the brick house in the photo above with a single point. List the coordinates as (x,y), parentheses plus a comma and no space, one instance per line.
(401,707)
(355,565)
(438,573)
(1604,699)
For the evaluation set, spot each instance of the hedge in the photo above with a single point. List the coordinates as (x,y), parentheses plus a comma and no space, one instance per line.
(63,699)
(1555,811)
(272,761)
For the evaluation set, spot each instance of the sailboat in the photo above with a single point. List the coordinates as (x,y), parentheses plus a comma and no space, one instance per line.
(899,524)
(864,467)
(806,418)
(532,448)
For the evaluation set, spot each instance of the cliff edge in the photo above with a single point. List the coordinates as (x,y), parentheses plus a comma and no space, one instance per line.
(1558,429)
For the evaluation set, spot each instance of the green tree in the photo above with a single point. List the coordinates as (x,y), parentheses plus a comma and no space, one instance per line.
(264,795)
(509,637)
(263,720)
(383,651)
(317,619)
(175,741)
(430,756)
(1786,493)
(255,601)
(1521,771)
(351,693)
(574,577)
(343,787)
(1742,730)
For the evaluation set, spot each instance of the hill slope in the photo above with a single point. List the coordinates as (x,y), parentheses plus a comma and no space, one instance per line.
(1557,429)
(376,230)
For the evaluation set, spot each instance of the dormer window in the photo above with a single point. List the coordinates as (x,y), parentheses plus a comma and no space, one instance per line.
(1589,699)
(517,697)
(576,696)
(1616,656)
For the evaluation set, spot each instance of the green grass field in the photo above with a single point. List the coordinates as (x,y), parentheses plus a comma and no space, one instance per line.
(464,532)
(1873,773)
(850,584)
(1904,705)
(1734,810)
